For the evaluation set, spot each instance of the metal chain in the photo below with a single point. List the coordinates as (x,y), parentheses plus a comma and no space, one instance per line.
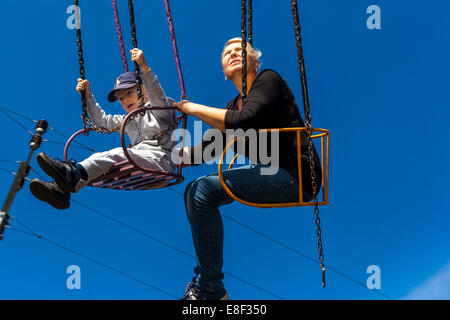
(81,62)
(172,127)
(176,55)
(79,42)
(86,120)
(250,22)
(309,130)
(244,47)
(84,116)
(139,79)
(136,66)
(120,36)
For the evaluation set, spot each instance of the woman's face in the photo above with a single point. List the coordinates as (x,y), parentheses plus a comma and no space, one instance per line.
(232,60)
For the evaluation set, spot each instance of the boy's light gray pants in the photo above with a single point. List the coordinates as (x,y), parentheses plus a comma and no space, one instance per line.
(145,155)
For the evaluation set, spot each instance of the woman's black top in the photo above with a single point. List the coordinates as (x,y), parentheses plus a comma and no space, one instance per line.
(271,104)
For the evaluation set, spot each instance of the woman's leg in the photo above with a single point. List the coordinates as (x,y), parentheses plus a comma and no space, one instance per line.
(205,195)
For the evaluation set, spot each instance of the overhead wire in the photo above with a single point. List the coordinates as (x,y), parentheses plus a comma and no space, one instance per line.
(31,232)
(181,251)
(19,162)
(143,233)
(39,236)
(13,173)
(169,245)
(6,111)
(17,122)
(79,144)
(262,234)
(296,251)
(11,161)
(242,225)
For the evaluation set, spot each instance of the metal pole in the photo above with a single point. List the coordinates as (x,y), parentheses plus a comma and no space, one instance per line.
(19,179)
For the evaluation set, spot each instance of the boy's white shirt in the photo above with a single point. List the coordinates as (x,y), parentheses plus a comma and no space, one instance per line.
(141,127)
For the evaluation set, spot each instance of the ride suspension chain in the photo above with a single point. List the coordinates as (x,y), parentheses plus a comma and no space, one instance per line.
(309,130)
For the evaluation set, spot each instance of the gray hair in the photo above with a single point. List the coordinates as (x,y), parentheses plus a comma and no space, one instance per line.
(253,52)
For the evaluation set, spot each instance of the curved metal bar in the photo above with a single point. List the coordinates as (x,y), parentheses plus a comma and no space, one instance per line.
(184,126)
(147,181)
(125,149)
(175,50)
(82,131)
(244,48)
(275,205)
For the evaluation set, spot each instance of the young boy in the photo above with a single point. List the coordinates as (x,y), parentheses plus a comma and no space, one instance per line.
(146,151)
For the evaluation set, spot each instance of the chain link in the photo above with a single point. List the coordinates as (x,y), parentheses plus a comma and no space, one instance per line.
(309,131)
(250,22)
(244,47)
(136,66)
(87,122)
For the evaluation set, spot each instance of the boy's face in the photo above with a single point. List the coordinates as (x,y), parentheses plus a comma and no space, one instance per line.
(128,98)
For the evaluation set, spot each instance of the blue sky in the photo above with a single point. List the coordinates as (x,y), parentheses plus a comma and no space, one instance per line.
(381,93)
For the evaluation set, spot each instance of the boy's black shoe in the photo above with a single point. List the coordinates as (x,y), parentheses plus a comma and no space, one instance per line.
(50,193)
(65,173)
(193,293)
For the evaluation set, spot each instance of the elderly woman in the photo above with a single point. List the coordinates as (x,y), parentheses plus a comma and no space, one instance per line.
(269,104)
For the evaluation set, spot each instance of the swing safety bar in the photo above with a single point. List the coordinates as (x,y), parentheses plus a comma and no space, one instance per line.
(323,134)
(128,175)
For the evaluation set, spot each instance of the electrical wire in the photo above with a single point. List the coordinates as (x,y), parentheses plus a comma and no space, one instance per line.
(104,265)
(79,144)
(2,109)
(262,234)
(104,215)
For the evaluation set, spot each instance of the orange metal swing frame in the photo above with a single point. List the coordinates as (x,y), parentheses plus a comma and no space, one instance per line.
(324,136)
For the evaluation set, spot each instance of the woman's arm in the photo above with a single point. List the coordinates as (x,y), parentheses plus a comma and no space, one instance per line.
(264,96)
(215,117)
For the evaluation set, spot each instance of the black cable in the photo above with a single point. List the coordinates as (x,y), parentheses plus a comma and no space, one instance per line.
(146,235)
(135,45)
(81,145)
(169,245)
(31,168)
(291,249)
(193,257)
(31,231)
(96,262)
(250,22)
(132,228)
(64,143)
(17,122)
(18,114)
(13,173)
(244,48)
(10,161)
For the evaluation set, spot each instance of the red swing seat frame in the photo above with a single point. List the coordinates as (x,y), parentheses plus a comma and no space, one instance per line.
(128,175)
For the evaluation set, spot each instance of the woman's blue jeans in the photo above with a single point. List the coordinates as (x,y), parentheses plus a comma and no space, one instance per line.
(205,195)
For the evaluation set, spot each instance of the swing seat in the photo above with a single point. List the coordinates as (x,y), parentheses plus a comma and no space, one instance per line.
(128,175)
(124,176)
(323,134)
